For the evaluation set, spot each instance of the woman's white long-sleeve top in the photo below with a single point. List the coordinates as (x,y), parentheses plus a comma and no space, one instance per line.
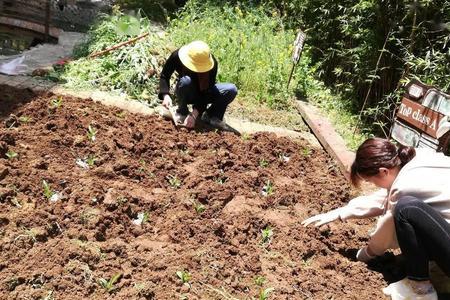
(426,177)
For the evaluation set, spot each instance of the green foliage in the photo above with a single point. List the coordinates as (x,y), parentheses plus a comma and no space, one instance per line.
(47,190)
(174,181)
(266,235)
(55,103)
(268,189)
(90,160)
(260,280)
(251,45)
(130,69)
(108,285)
(263,163)
(184,276)
(91,133)
(25,119)
(11,154)
(264,293)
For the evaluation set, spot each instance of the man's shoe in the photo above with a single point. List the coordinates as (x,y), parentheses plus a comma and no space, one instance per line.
(407,289)
(178,118)
(214,121)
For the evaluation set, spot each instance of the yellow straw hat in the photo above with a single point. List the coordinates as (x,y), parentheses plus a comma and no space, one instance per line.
(196,56)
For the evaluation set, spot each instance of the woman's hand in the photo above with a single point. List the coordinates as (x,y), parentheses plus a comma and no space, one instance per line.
(167,101)
(189,122)
(322,219)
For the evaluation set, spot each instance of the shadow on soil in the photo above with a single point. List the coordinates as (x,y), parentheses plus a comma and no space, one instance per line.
(12,99)
(392,267)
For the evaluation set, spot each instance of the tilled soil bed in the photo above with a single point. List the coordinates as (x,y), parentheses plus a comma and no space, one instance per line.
(144,201)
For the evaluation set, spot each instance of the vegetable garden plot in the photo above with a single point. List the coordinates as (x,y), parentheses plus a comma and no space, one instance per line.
(98,203)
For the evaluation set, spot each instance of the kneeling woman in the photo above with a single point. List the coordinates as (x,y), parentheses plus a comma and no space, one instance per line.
(414,209)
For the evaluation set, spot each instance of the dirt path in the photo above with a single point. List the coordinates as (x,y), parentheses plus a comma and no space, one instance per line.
(145,201)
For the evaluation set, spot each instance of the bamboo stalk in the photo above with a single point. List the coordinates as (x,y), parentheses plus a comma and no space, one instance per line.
(93,55)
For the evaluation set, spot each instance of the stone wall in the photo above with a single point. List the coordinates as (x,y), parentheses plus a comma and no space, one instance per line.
(69,15)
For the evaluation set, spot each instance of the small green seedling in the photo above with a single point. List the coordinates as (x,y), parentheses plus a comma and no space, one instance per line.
(263,163)
(55,103)
(260,280)
(268,189)
(24,119)
(108,285)
(246,136)
(221,180)
(90,160)
(264,294)
(91,133)
(49,296)
(11,154)
(266,235)
(121,115)
(199,208)
(48,193)
(174,181)
(306,152)
(184,276)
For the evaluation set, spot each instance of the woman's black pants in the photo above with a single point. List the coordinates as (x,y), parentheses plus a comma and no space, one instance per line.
(423,235)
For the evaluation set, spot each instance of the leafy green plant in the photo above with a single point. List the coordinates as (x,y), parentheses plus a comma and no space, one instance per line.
(263,163)
(184,277)
(48,192)
(260,280)
(264,293)
(266,235)
(11,154)
(306,151)
(25,119)
(199,208)
(245,136)
(108,285)
(268,189)
(91,133)
(90,160)
(122,114)
(174,181)
(55,103)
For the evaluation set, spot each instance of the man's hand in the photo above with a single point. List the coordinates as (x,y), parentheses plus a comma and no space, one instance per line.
(189,122)
(167,101)
(322,219)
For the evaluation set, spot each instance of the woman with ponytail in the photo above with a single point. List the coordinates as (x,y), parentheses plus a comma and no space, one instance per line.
(413,205)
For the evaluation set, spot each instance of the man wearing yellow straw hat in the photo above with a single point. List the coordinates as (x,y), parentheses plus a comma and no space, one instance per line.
(196,85)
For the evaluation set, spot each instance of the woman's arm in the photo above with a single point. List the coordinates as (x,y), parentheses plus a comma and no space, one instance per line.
(360,207)
(166,73)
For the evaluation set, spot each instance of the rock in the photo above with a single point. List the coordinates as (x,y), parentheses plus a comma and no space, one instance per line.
(4,171)
(3,149)
(12,121)
(40,164)
(5,193)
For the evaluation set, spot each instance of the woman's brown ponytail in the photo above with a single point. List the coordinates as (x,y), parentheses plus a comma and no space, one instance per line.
(376,153)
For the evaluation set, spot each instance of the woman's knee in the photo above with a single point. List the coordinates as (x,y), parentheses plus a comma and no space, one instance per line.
(404,203)
(230,90)
(185,81)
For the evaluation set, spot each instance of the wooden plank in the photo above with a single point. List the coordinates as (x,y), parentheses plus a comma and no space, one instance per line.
(330,140)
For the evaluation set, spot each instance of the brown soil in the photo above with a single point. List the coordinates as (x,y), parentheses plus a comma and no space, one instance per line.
(64,248)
